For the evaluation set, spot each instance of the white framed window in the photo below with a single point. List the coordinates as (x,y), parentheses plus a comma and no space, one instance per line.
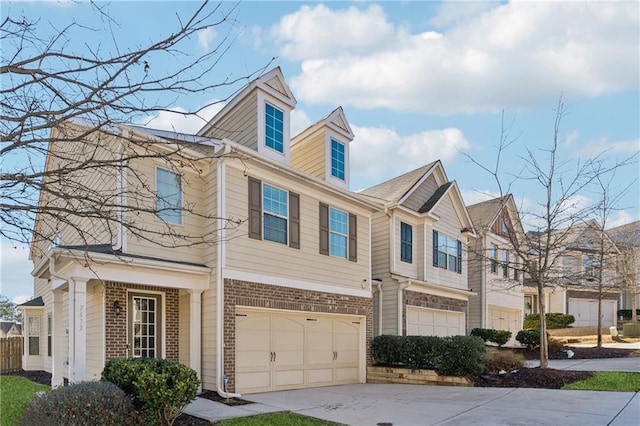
(275,213)
(33,324)
(447,252)
(49,328)
(168,196)
(591,267)
(338,232)
(505,264)
(337,160)
(493,258)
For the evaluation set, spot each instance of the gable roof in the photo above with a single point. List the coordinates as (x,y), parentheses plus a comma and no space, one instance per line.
(626,234)
(271,82)
(5,326)
(483,214)
(395,189)
(37,302)
(435,197)
(335,120)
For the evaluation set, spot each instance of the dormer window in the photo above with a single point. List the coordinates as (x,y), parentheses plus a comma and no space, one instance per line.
(274,128)
(337,159)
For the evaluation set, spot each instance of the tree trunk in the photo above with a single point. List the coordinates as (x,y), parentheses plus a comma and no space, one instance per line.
(544,347)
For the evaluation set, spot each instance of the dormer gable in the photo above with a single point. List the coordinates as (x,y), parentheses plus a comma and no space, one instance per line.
(322,150)
(258,117)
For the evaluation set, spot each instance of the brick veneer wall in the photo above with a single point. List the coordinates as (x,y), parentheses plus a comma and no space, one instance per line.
(116,325)
(414,298)
(248,294)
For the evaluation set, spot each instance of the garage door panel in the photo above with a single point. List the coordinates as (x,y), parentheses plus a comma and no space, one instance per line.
(585,311)
(253,381)
(432,322)
(346,374)
(319,343)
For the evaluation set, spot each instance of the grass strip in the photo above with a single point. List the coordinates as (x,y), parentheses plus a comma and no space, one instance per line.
(608,381)
(15,392)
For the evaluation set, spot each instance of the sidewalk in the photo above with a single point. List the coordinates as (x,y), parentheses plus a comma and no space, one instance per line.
(603,364)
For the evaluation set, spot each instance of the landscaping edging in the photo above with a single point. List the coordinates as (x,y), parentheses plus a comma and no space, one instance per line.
(405,376)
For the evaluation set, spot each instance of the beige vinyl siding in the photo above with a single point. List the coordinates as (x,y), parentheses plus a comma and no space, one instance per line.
(209,321)
(184,310)
(305,264)
(451,226)
(381,267)
(477,270)
(308,155)
(95,330)
(421,194)
(240,124)
(154,240)
(390,306)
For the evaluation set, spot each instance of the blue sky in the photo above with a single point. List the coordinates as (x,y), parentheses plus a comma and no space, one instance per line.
(418,81)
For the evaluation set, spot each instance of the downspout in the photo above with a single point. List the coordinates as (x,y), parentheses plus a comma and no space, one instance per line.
(401,288)
(378,284)
(221,211)
(120,185)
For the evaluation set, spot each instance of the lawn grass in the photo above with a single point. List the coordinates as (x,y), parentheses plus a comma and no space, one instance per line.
(276,419)
(608,381)
(15,391)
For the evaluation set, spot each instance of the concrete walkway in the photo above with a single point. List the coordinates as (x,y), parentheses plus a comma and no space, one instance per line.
(371,404)
(603,364)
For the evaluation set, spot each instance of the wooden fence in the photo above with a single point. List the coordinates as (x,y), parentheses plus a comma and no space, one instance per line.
(10,354)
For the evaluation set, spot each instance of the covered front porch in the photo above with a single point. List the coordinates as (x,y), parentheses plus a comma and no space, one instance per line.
(107,305)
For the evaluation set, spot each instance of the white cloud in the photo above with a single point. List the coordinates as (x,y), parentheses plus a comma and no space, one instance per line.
(623,217)
(206,37)
(512,55)
(400,153)
(299,121)
(471,197)
(16,281)
(178,120)
(603,145)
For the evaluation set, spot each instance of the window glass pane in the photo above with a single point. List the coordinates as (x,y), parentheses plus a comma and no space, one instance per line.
(274,128)
(169,196)
(276,213)
(337,159)
(338,232)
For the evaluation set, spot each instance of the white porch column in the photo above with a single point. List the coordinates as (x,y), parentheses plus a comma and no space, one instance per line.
(78,329)
(57,334)
(195,330)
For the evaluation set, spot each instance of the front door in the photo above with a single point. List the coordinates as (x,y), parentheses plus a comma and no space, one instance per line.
(144,326)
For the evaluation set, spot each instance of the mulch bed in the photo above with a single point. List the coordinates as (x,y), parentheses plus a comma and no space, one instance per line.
(532,378)
(232,402)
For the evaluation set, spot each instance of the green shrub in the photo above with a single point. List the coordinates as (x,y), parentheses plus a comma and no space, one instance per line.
(452,356)
(625,314)
(499,337)
(529,338)
(86,403)
(554,320)
(502,360)
(160,388)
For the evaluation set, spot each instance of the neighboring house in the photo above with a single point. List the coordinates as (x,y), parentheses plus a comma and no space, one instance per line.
(283,301)
(419,240)
(10,329)
(627,239)
(495,271)
(575,277)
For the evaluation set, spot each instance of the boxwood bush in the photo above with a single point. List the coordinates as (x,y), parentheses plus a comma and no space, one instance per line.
(451,356)
(554,320)
(86,403)
(160,388)
(499,337)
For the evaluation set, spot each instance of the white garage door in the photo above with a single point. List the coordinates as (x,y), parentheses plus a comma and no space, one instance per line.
(585,312)
(434,322)
(505,319)
(277,351)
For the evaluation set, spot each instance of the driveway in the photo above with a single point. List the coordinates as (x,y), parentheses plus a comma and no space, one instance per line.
(375,404)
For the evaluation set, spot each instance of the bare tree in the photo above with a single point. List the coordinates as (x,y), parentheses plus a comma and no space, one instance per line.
(61,123)
(550,219)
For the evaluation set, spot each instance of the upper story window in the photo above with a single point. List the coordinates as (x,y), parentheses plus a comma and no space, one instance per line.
(591,267)
(275,214)
(505,227)
(274,128)
(447,252)
(168,196)
(493,256)
(505,263)
(338,233)
(337,159)
(406,242)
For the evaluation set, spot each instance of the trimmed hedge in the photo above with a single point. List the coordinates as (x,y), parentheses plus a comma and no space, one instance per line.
(499,337)
(86,403)
(160,388)
(625,314)
(554,320)
(450,356)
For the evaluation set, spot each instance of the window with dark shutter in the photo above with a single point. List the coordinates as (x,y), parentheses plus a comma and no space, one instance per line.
(255,208)
(459,257)
(324,229)
(353,237)
(294,220)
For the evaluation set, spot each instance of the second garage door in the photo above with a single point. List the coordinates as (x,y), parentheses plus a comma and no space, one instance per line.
(585,311)
(434,322)
(277,351)
(505,319)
